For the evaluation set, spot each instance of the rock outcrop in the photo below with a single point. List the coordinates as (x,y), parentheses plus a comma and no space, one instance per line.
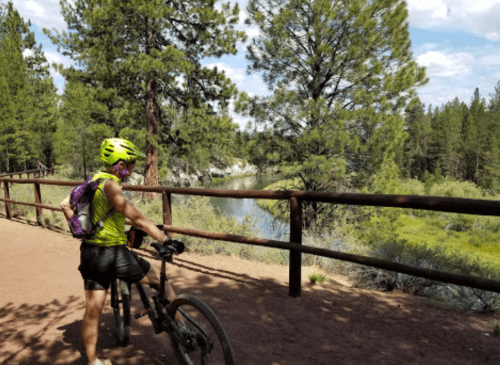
(178,178)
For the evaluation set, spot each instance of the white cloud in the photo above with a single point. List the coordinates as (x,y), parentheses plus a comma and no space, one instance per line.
(44,13)
(439,64)
(438,94)
(490,60)
(35,8)
(427,12)
(235,74)
(478,17)
(54,57)
(27,53)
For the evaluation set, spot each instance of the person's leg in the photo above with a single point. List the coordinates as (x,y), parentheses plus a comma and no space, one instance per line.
(94,303)
(133,268)
(152,279)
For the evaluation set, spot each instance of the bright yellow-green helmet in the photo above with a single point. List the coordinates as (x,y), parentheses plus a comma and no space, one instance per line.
(115,149)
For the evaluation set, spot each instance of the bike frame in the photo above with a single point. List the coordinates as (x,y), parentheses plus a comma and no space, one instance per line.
(163,314)
(161,320)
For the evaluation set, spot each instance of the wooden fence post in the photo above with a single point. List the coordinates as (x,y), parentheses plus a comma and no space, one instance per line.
(7,196)
(167,209)
(38,200)
(295,274)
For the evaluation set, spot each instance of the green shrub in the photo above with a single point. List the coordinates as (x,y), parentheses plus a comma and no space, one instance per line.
(412,187)
(496,329)
(162,173)
(280,209)
(196,212)
(452,188)
(435,258)
(315,277)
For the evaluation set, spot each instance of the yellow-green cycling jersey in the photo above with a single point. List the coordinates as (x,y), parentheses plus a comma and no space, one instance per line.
(109,232)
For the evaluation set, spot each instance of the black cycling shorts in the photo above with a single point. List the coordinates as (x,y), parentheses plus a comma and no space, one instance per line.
(99,265)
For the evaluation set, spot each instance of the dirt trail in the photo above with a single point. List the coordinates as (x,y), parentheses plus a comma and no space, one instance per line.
(41,305)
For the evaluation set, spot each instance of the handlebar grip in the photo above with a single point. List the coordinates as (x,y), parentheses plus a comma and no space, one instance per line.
(169,247)
(162,251)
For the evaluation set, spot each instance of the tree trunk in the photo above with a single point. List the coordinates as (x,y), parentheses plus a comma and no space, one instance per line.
(84,162)
(151,167)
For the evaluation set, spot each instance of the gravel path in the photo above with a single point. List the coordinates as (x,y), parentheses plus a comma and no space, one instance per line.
(41,306)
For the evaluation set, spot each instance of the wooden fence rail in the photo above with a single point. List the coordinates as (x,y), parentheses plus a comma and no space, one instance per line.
(456,205)
(36,173)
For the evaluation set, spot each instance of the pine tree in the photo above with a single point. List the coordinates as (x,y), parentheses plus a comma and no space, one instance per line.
(77,138)
(141,56)
(28,94)
(495,99)
(447,138)
(477,133)
(417,145)
(340,73)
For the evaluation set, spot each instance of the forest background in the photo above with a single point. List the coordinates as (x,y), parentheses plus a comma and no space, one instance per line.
(342,115)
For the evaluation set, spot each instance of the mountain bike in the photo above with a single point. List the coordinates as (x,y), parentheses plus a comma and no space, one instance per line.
(201,340)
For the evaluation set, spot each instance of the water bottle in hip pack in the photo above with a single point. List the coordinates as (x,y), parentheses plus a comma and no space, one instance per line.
(81,197)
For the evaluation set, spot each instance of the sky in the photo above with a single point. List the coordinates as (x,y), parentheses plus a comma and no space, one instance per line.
(458,41)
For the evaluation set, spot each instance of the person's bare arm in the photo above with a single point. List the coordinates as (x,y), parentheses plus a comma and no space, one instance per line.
(66,208)
(118,201)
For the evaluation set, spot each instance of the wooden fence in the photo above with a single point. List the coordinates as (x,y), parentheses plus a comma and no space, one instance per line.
(36,173)
(296,198)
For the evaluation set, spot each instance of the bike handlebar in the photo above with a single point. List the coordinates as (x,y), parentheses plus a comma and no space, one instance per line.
(168,248)
(165,249)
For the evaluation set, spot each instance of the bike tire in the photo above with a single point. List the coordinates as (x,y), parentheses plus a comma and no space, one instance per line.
(121,310)
(222,353)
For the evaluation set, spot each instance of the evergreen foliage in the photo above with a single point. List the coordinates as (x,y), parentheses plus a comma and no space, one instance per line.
(340,74)
(456,140)
(27,106)
(141,60)
(77,137)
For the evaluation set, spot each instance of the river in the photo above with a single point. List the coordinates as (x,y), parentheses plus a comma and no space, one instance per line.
(267,226)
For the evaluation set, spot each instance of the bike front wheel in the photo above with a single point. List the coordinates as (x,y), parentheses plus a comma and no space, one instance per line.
(120,301)
(207,342)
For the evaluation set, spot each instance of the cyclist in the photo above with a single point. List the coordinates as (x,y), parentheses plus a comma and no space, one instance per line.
(105,255)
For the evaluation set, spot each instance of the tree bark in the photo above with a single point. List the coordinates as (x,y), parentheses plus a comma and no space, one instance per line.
(151,167)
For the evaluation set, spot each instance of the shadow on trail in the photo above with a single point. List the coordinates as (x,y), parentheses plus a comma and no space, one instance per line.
(25,331)
(332,324)
(326,325)
(45,335)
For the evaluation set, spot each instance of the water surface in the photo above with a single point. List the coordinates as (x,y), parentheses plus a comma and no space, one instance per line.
(267,226)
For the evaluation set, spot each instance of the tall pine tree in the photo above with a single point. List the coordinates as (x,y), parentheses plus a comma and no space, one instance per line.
(340,73)
(140,56)
(27,108)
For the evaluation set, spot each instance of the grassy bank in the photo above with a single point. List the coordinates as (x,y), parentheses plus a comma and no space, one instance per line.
(460,243)
(472,236)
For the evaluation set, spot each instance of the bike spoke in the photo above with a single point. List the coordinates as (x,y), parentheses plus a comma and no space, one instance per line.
(206,341)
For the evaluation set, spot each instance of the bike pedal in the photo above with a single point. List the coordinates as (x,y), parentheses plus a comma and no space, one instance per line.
(141,314)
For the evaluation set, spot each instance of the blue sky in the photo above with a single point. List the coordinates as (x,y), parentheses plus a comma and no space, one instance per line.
(458,41)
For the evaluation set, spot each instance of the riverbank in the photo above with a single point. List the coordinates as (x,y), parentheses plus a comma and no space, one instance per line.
(457,243)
